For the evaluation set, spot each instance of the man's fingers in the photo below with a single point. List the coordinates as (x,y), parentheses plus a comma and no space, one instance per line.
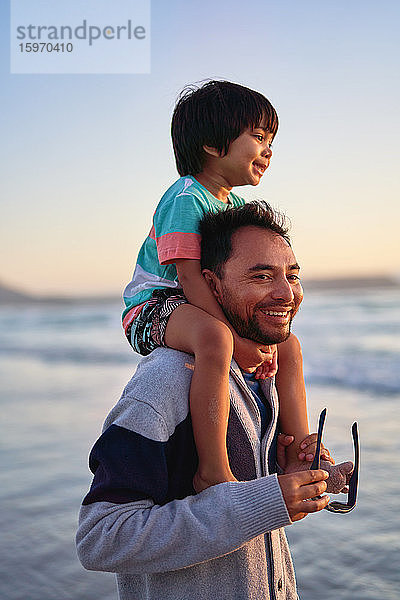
(309,444)
(304,484)
(307,477)
(284,439)
(308,452)
(283,442)
(312,490)
(325,454)
(327,457)
(310,439)
(311,506)
(299,487)
(308,447)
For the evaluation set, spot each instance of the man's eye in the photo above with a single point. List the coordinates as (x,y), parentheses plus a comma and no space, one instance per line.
(260,137)
(261,276)
(294,278)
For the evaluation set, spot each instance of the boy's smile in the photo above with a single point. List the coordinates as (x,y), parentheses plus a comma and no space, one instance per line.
(248,157)
(245,163)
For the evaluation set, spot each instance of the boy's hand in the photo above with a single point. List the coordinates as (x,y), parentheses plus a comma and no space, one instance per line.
(268,368)
(339,476)
(298,488)
(249,355)
(308,447)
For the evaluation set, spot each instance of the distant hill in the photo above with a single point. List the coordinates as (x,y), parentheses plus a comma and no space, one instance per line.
(351,283)
(12,296)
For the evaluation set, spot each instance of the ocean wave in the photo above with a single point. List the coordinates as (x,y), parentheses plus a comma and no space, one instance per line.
(362,374)
(385,387)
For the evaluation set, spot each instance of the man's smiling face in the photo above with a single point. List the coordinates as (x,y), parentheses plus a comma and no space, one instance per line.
(260,290)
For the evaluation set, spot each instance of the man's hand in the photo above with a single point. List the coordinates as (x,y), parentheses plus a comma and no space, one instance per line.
(283,442)
(339,475)
(250,355)
(308,447)
(298,488)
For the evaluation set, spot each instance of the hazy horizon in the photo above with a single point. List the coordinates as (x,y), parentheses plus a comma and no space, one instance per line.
(314,284)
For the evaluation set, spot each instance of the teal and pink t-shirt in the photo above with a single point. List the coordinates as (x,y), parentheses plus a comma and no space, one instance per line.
(174,234)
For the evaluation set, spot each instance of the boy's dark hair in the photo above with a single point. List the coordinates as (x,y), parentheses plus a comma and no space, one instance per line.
(214,115)
(217,229)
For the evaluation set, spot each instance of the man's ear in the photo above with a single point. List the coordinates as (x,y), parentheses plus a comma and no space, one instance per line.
(211,151)
(214,283)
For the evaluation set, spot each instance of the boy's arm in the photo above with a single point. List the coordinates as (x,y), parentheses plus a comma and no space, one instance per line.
(293,404)
(292,394)
(198,293)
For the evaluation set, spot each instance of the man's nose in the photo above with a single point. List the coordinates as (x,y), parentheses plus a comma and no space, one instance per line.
(282,290)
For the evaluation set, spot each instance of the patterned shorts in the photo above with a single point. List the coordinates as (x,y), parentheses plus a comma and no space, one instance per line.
(148,329)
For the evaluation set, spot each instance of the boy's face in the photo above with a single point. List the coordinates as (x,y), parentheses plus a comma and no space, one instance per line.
(247,158)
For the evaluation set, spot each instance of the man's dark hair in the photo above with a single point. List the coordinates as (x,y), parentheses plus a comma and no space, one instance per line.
(217,229)
(214,115)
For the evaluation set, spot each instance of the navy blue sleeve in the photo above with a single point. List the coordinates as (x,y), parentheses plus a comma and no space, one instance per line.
(128,466)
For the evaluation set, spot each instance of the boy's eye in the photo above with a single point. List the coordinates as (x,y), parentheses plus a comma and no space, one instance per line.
(261,138)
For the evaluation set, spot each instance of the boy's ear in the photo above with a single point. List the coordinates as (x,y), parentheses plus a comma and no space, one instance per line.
(211,151)
(213,283)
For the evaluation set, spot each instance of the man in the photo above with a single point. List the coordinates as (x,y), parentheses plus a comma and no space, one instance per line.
(141,518)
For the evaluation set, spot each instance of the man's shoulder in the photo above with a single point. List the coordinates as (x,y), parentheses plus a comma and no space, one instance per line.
(163,369)
(157,396)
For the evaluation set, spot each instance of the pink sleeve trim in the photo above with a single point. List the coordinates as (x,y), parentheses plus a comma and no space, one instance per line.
(172,246)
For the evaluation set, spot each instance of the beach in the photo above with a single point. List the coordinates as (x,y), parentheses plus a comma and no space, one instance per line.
(62,368)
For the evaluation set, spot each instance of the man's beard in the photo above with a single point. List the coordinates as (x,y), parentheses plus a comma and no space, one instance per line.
(250,328)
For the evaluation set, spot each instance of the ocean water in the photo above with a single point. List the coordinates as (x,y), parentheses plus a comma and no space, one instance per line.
(63,367)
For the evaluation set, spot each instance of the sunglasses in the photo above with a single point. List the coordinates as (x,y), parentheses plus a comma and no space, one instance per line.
(340,507)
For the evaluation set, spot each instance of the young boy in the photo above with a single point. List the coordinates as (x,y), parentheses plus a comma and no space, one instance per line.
(222,135)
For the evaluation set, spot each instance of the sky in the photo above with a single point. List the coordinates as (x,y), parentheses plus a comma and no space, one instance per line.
(85,158)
